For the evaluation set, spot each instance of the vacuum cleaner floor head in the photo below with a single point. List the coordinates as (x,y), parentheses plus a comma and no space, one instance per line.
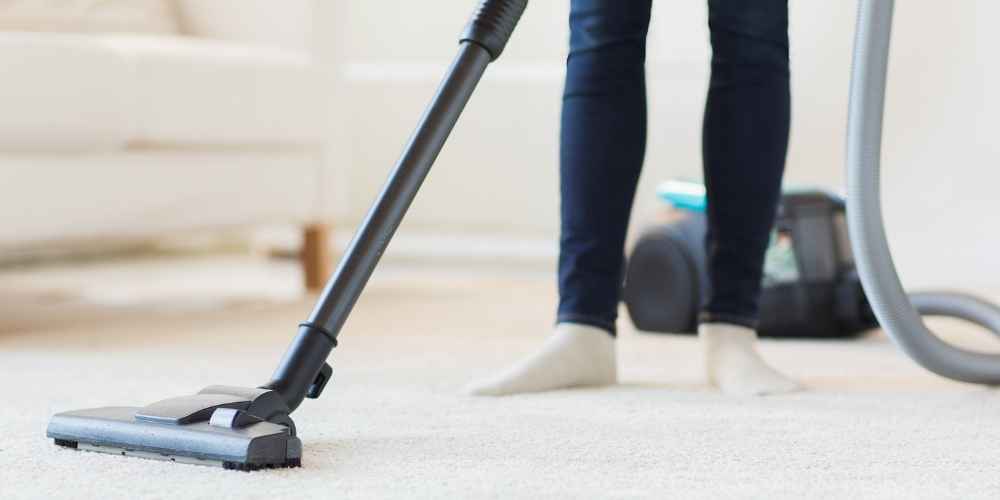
(215,427)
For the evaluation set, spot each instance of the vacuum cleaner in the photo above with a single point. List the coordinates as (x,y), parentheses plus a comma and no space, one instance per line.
(898,314)
(810,287)
(246,428)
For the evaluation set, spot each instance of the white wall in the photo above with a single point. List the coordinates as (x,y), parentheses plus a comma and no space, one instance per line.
(498,174)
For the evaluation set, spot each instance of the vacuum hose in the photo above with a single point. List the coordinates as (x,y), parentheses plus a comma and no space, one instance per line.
(895,310)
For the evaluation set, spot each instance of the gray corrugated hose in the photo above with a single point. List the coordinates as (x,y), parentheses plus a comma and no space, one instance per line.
(892,306)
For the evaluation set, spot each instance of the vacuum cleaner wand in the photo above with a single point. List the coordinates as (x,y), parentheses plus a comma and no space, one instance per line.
(482,42)
(247,428)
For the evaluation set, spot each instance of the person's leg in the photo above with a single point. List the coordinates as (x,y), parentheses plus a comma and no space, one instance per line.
(745,138)
(602,144)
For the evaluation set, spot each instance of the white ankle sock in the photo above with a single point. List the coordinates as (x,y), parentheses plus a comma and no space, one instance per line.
(574,356)
(733,364)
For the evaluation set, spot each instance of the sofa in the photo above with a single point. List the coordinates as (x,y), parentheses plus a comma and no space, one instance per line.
(131,119)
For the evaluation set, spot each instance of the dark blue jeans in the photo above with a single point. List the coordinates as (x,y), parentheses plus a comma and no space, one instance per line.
(603,140)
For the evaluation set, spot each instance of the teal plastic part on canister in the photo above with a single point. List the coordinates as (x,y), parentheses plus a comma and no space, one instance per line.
(683,195)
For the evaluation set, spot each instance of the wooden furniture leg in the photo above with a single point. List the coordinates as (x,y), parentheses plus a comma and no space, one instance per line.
(315,257)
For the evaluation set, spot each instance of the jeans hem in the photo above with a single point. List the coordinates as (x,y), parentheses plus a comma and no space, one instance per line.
(583,319)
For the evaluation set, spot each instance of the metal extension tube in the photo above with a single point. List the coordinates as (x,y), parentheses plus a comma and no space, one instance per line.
(482,42)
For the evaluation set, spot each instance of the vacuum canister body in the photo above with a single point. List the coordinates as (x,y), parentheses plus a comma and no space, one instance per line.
(810,287)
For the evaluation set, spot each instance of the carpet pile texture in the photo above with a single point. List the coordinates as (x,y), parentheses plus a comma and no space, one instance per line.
(393,423)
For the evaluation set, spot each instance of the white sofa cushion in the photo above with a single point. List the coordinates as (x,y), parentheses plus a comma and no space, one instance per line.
(208,92)
(61,92)
(89,16)
(99,92)
(278,23)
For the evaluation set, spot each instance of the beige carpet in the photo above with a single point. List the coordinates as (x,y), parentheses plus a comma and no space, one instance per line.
(393,425)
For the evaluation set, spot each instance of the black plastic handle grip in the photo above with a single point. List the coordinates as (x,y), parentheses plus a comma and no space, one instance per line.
(492,24)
